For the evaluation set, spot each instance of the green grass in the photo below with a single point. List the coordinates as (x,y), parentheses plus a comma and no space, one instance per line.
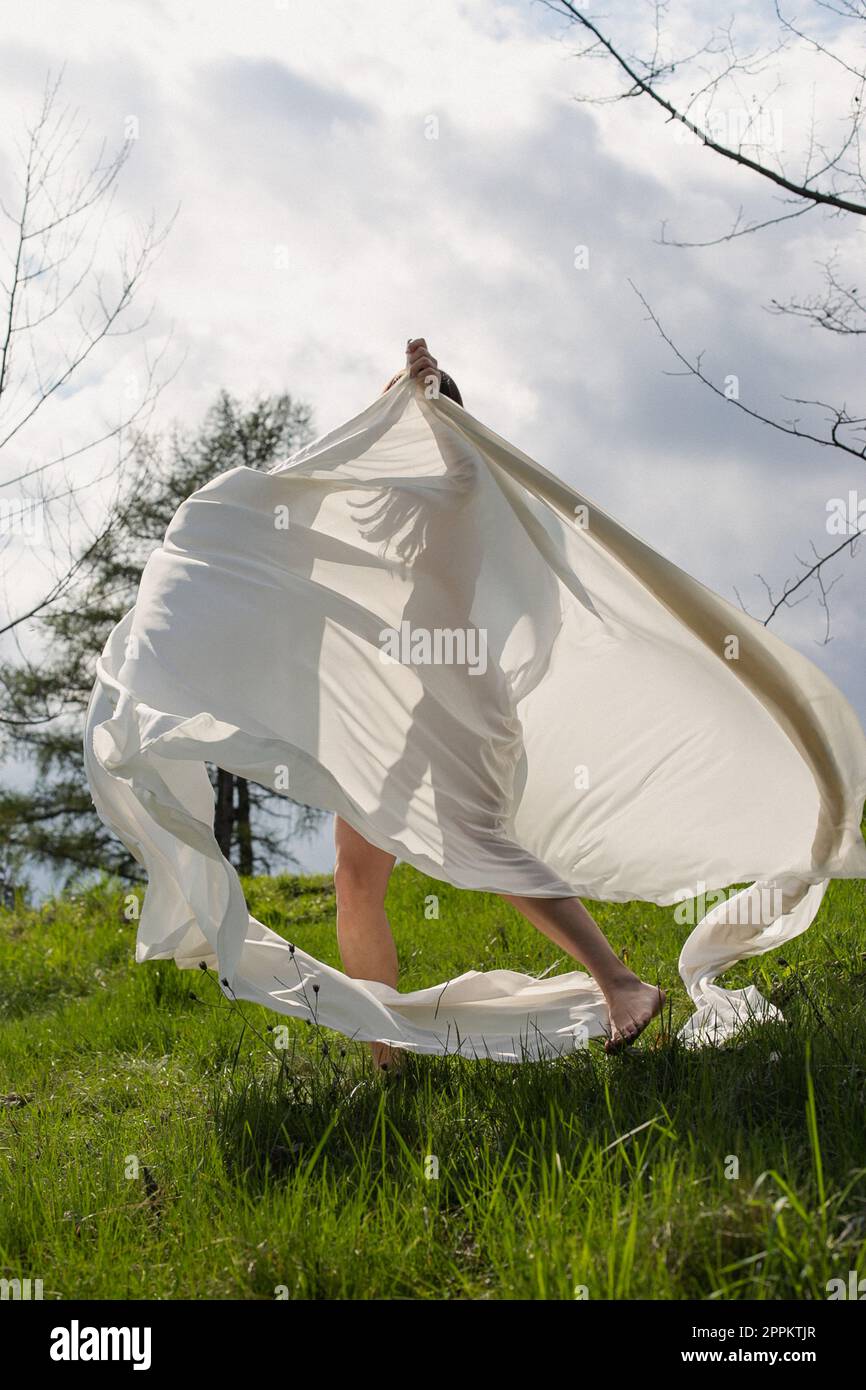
(155,1144)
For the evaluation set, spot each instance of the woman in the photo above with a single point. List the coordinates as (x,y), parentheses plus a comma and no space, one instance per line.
(580,718)
(362,871)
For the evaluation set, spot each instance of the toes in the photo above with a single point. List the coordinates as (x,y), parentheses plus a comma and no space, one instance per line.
(625,1036)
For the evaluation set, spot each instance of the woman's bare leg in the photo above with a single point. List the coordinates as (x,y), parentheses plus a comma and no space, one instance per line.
(367,949)
(631,1002)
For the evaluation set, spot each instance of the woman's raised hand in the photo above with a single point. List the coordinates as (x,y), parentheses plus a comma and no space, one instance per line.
(421,361)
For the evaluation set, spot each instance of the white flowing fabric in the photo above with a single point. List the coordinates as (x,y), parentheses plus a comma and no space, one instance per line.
(412,624)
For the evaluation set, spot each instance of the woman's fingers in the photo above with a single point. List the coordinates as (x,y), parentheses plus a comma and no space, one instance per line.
(419,358)
(417,348)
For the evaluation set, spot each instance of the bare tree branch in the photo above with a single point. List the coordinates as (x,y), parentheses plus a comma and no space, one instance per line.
(694,368)
(58,309)
(812,571)
(647,85)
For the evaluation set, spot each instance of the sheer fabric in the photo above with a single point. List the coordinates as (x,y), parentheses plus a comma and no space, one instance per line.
(412,624)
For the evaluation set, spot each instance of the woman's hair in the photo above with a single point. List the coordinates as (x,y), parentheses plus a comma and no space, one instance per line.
(447,386)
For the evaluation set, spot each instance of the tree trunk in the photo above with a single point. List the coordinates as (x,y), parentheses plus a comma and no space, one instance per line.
(231,824)
(224,811)
(242,823)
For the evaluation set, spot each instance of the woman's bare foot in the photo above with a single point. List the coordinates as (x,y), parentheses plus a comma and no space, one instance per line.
(632,1005)
(386,1057)
(631,1002)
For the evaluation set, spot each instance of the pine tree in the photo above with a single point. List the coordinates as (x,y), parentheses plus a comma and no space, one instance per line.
(54,821)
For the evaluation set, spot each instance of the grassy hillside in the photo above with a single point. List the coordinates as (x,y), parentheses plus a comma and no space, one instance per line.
(154,1144)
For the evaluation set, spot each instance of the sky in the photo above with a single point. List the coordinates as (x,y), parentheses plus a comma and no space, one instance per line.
(340,177)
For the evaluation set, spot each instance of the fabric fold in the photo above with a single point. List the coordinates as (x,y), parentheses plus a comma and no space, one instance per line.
(411,624)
